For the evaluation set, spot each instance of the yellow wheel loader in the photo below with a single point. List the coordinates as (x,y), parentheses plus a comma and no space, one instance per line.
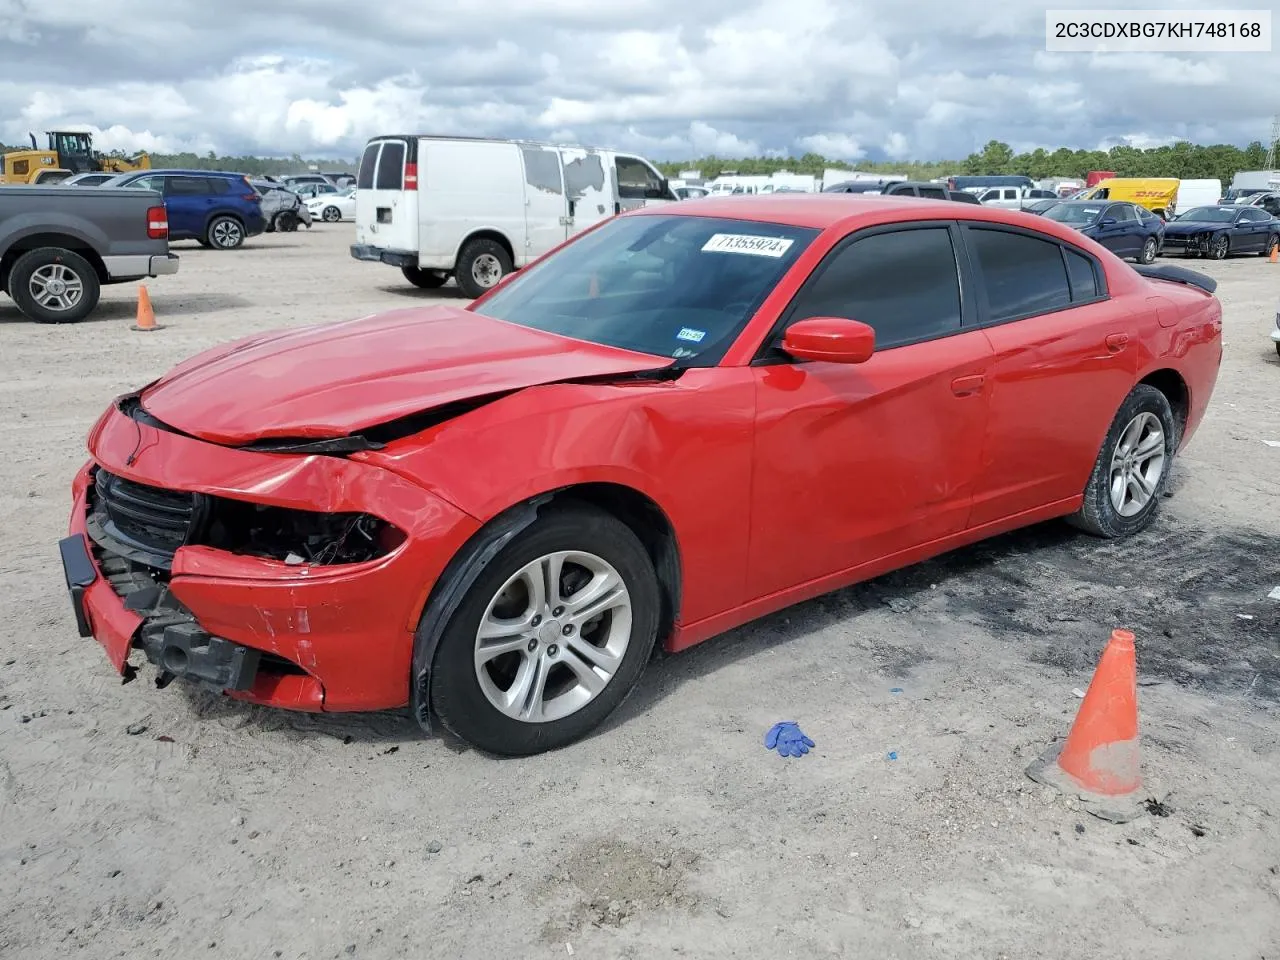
(68,153)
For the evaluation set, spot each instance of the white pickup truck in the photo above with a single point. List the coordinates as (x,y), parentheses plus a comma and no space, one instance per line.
(1014,198)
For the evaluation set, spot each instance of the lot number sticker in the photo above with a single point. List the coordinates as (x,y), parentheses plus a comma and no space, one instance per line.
(744,243)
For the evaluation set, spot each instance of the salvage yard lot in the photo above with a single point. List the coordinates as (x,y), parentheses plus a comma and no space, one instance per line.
(141,822)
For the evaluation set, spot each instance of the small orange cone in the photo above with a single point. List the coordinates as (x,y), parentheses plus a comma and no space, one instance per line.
(1275,254)
(1099,761)
(146,321)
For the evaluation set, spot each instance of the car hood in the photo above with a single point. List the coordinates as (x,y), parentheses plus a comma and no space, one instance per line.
(335,379)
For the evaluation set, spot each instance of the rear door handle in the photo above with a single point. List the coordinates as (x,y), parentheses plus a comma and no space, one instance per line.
(1117,342)
(967,386)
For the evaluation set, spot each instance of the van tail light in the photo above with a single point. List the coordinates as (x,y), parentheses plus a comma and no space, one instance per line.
(410,176)
(158,223)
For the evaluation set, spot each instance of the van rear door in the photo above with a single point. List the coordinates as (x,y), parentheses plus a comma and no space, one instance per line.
(387,195)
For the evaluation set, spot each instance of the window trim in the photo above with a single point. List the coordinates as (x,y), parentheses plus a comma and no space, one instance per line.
(979,280)
(768,352)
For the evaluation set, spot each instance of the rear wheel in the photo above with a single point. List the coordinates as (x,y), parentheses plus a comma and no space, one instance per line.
(1273,244)
(225,233)
(1132,469)
(1148,254)
(551,637)
(53,285)
(426,279)
(481,264)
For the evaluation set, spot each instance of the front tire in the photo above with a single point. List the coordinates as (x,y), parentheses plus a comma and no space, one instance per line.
(1148,254)
(426,279)
(551,637)
(331,215)
(481,264)
(53,285)
(1132,470)
(225,233)
(1219,247)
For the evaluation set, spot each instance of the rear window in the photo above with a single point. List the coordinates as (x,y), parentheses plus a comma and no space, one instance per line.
(364,179)
(1084,281)
(391,166)
(1023,275)
(218,185)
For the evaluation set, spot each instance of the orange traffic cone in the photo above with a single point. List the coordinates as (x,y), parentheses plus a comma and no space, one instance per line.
(1275,254)
(146,321)
(1099,760)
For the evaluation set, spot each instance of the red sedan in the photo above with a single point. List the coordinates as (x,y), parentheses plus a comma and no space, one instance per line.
(683,419)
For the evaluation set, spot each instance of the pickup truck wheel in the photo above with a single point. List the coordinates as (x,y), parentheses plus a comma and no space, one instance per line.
(225,233)
(426,279)
(481,264)
(52,285)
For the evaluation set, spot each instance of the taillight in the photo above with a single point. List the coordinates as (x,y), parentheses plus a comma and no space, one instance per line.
(410,176)
(158,223)
(251,196)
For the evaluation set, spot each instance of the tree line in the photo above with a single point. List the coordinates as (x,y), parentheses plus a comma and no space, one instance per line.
(1182,160)
(1186,161)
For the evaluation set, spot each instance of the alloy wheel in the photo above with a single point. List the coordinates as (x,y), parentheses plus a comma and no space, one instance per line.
(1137,465)
(56,287)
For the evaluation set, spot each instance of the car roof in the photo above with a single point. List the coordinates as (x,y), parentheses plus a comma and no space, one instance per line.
(823,210)
(187,173)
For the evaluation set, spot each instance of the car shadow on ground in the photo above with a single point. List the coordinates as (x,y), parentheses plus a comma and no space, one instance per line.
(415,293)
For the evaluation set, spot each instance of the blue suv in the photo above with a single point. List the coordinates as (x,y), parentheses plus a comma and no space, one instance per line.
(219,209)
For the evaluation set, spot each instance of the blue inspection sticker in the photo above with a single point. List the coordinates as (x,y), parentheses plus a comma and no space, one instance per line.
(690,334)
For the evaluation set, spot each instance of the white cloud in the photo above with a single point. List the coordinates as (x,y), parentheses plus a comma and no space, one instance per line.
(851,80)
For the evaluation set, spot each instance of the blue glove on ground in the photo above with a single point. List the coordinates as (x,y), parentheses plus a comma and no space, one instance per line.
(788,739)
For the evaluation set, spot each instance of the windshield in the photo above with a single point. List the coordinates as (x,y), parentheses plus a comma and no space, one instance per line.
(1209,214)
(666,285)
(1074,212)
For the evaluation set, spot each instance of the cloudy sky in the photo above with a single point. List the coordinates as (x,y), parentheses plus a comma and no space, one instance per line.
(900,79)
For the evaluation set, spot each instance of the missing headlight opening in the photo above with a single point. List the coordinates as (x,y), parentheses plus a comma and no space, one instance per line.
(298,536)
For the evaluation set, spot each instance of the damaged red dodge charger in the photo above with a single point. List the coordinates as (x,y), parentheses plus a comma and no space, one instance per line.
(681,420)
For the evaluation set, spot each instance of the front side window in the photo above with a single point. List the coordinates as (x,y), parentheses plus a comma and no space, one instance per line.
(671,286)
(904,284)
(1123,212)
(636,180)
(1023,275)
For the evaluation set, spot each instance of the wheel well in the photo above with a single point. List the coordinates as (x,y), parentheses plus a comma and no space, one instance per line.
(650,524)
(1171,384)
(487,235)
(229,214)
(65,241)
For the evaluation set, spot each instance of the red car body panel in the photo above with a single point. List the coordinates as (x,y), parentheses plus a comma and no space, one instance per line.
(779,482)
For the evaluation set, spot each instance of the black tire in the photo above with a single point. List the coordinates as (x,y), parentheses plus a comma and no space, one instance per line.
(286,221)
(40,261)
(331,215)
(475,263)
(1273,242)
(456,694)
(1098,515)
(224,233)
(1149,248)
(1219,247)
(426,279)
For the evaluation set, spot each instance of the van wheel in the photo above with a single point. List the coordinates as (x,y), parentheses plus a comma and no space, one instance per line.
(482,263)
(1132,469)
(52,285)
(426,279)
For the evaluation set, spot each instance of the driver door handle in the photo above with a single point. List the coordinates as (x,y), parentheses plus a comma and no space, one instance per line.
(1117,341)
(967,386)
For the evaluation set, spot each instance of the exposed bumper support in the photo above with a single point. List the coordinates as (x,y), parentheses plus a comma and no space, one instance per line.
(180,648)
(396,258)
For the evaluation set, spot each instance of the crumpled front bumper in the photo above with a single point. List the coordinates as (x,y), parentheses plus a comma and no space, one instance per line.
(310,637)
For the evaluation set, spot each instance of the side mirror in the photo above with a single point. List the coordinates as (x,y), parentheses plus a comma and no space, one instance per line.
(831,339)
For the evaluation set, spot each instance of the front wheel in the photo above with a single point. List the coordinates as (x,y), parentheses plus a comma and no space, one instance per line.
(481,264)
(1218,247)
(53,285)
(331,215)
(1148,254)
(1132,469)
(551,637)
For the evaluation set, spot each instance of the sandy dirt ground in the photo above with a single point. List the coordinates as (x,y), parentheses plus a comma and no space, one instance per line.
(137,822)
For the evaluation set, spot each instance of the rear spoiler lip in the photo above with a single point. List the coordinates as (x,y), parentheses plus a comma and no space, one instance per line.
(1175,274)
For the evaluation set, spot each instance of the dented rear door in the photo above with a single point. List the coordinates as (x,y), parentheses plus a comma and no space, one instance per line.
(588,187)
(387,195)
(546,213)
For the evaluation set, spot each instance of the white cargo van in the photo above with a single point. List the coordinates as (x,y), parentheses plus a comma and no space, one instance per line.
(476,209)
(1198,193)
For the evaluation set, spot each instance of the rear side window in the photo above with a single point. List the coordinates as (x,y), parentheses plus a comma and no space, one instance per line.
(364,178)
(1084,281)
(934,193)
(219,185)
(391,166)
(1023,275)
(186,186)
(904,284)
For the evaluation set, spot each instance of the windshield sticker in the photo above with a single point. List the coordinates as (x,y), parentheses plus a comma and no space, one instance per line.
(743,243)
(692,335)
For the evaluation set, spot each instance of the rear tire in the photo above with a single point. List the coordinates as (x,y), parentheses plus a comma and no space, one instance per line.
(225,233)
(1148,254)
(426,279)
(53,285)
(628,628)
(1127,467)
(481,264)
(1273,242)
